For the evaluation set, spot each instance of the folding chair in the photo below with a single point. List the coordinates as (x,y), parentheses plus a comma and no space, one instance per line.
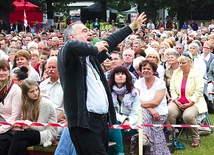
(204,119)
(181,130)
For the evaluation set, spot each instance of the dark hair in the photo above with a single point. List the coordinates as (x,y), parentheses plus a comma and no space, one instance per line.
(121,69)
(43,67)
(44,33)
(45,53)
(21,73)
(141,52)
(4,65)
(117,52)
(187,55)
(151,63)
(37,37)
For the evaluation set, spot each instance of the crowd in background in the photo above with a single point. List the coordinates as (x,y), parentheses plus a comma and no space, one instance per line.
(140,74)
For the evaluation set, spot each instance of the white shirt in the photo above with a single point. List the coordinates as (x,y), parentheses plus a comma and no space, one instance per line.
(200,65)
(160,71)
(149,94)
(205,58)
(97,100)
(150,26)
(55,93)
(33,74)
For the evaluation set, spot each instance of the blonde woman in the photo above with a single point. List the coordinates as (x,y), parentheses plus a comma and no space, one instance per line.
(153,55)
(163,46)
(186,89)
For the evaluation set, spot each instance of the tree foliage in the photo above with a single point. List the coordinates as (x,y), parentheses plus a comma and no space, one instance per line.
(179,8)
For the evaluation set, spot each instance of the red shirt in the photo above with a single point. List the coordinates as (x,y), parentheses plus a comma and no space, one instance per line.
(183,98)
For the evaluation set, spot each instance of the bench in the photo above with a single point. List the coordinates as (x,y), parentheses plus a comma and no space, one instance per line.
(41,150)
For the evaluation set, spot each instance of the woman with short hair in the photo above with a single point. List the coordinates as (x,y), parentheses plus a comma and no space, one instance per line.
(152,92)
(186,89)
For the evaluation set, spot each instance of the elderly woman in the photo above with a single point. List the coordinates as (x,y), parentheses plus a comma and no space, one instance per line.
(210,75)
(136,63)
(22,58)
(186,89)
(173,65)
(152,92)
(198,61)
(155,45)
(32,46)
(153,55)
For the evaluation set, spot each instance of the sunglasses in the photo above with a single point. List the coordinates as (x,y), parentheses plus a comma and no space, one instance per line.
(187,55)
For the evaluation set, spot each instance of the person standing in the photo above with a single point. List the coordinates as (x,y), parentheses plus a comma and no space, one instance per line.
(194,25)
(96,24)
(87,98)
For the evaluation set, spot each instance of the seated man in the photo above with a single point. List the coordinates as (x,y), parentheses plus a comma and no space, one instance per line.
(52,87)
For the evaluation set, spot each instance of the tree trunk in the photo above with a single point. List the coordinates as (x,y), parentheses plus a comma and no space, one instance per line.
(4,13)
(50,12)
(183,13)
(103,9)
(149,9)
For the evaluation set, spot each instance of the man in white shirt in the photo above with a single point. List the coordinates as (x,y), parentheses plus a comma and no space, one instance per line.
(52,86)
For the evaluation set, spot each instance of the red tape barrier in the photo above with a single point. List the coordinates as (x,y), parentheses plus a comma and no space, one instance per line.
(28,123)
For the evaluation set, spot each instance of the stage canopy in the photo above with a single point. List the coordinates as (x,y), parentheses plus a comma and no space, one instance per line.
(32,12)
(94,11)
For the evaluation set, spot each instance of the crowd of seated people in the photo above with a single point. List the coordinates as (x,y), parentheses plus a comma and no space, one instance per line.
(165,73)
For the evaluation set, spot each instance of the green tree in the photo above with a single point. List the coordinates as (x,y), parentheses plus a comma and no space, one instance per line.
(179,8)
(5,7)
(53,6)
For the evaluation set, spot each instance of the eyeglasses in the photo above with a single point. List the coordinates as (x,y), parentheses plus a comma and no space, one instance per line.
(187,55)
(206,48)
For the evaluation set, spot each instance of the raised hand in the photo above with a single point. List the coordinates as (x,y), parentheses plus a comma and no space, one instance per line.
(138,21)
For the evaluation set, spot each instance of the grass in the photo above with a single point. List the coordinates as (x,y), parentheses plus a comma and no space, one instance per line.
(206,146)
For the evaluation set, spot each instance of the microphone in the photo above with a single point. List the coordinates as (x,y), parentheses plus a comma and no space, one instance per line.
(94,41)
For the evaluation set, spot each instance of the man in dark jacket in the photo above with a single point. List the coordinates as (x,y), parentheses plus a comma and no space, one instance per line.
(87,97)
